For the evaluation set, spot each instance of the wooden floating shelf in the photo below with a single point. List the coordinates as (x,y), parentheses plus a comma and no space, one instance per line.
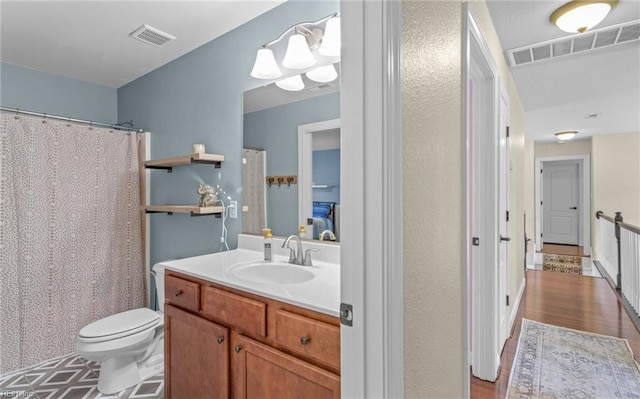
(192,209)
(168,163)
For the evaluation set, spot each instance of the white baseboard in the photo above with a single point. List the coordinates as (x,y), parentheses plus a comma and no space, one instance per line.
(516,304)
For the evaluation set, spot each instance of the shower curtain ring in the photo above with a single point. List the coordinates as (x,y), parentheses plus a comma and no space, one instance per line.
(69,122)
(17,117)
(44,118)
(90,125)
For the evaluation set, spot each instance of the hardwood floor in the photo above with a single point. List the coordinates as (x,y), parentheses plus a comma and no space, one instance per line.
(572,301)
(559,249)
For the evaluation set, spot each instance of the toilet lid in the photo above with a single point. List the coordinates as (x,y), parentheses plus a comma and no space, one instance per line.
(130,321)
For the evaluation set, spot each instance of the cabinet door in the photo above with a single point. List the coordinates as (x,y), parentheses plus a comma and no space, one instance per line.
(196,356)
(259,371)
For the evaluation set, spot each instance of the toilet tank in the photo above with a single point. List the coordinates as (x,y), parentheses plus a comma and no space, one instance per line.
(158,275)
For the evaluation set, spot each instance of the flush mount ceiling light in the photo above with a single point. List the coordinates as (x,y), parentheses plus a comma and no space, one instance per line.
(568,135)
(308,45)
(578,16)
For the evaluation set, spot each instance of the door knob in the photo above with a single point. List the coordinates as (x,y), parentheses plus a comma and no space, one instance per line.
(505,238)
(574,207)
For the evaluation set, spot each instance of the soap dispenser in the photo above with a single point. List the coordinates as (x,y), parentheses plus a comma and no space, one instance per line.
(268,256)
(302,232)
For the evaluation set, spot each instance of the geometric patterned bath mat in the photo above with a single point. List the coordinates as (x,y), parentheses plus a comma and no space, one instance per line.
(562,263)
(556,362)
(71,377)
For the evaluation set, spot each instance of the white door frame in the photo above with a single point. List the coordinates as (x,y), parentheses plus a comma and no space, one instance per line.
(584,211)
(504,173)
(371,199)
(305,167)
(482,260)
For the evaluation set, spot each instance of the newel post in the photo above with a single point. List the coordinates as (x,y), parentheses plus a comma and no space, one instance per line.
(618,220)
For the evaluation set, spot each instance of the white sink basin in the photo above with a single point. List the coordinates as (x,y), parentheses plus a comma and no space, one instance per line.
(271,272)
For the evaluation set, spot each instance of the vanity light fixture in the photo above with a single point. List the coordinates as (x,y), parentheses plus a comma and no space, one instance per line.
(292,83)
(580,15)
(309,44)
(323,74)
(567,135)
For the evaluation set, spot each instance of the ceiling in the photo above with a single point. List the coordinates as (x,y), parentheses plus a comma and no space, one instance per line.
(88,40)
(558,94)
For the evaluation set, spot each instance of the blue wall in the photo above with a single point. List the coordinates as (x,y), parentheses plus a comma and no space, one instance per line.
(198,99)
(37,91)
(276,130)
(326,170)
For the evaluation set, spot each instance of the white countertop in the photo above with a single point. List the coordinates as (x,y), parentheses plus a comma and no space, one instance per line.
(321,294)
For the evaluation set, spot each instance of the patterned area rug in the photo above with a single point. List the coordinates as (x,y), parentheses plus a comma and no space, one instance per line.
(71,377)
(555,362)
(562,263)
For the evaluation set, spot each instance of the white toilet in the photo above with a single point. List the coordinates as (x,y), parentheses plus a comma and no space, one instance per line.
(130,345)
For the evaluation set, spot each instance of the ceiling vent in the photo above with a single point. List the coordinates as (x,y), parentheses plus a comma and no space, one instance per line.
(580,43)
(152,36)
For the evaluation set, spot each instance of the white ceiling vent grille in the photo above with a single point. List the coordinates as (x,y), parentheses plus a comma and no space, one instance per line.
(152,36)
(591,40)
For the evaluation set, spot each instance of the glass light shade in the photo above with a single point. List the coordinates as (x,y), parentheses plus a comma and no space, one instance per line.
(580,16)
(323,74)
(564,136)
(298,55)
(265,66)
(294,83)
(331,40)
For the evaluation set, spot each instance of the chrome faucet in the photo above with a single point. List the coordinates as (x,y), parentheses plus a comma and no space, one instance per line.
(332,237)
(298,257)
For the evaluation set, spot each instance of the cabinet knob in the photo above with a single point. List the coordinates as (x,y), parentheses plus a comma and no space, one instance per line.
(178,293)
(237,348)
(304,340)
(220,340)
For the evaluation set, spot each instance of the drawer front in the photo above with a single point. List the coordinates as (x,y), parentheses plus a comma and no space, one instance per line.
(308,337)
(183,293)
(247,315)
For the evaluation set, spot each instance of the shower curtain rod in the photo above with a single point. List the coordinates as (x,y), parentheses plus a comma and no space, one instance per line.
(68,119)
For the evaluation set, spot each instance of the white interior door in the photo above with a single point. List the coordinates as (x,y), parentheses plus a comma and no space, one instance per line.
(503,216)
(560,203)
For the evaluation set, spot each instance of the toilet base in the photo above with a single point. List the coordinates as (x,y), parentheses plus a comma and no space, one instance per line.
(118,374)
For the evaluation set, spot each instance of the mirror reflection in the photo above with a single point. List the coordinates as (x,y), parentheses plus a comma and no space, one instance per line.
(292,141)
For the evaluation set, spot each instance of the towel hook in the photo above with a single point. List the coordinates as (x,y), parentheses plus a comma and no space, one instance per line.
(280,180)
(289,180)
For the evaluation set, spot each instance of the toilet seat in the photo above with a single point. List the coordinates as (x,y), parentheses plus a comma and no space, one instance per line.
(120,325)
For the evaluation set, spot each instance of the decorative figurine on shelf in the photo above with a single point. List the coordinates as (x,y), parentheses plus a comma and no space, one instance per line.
(208,195)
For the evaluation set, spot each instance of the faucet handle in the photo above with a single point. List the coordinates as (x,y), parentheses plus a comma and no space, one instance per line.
(307,256)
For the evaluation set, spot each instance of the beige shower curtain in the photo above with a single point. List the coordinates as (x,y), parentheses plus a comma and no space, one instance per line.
(70,247)
(253,181)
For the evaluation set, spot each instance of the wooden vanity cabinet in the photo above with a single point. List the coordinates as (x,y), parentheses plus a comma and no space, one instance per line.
(196,356)
(260,371)
(221,342)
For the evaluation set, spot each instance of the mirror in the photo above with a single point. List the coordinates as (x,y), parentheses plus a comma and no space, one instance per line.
(291,160)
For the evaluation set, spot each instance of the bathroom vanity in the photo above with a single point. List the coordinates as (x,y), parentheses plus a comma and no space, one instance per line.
(228,334)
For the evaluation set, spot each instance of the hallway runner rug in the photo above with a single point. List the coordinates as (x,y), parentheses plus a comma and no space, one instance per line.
(555,362)
(562,263)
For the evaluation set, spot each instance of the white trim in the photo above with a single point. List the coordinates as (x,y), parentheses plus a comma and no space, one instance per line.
(371,350)
(146,137)
(516,304)
(504,154)
(584,167)
(485,315)
(305,167)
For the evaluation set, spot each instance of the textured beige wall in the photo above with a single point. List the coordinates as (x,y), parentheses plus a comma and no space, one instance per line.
(432,199)
(482,17)
(615,178)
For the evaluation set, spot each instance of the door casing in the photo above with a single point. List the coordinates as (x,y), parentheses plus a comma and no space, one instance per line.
(584,167)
